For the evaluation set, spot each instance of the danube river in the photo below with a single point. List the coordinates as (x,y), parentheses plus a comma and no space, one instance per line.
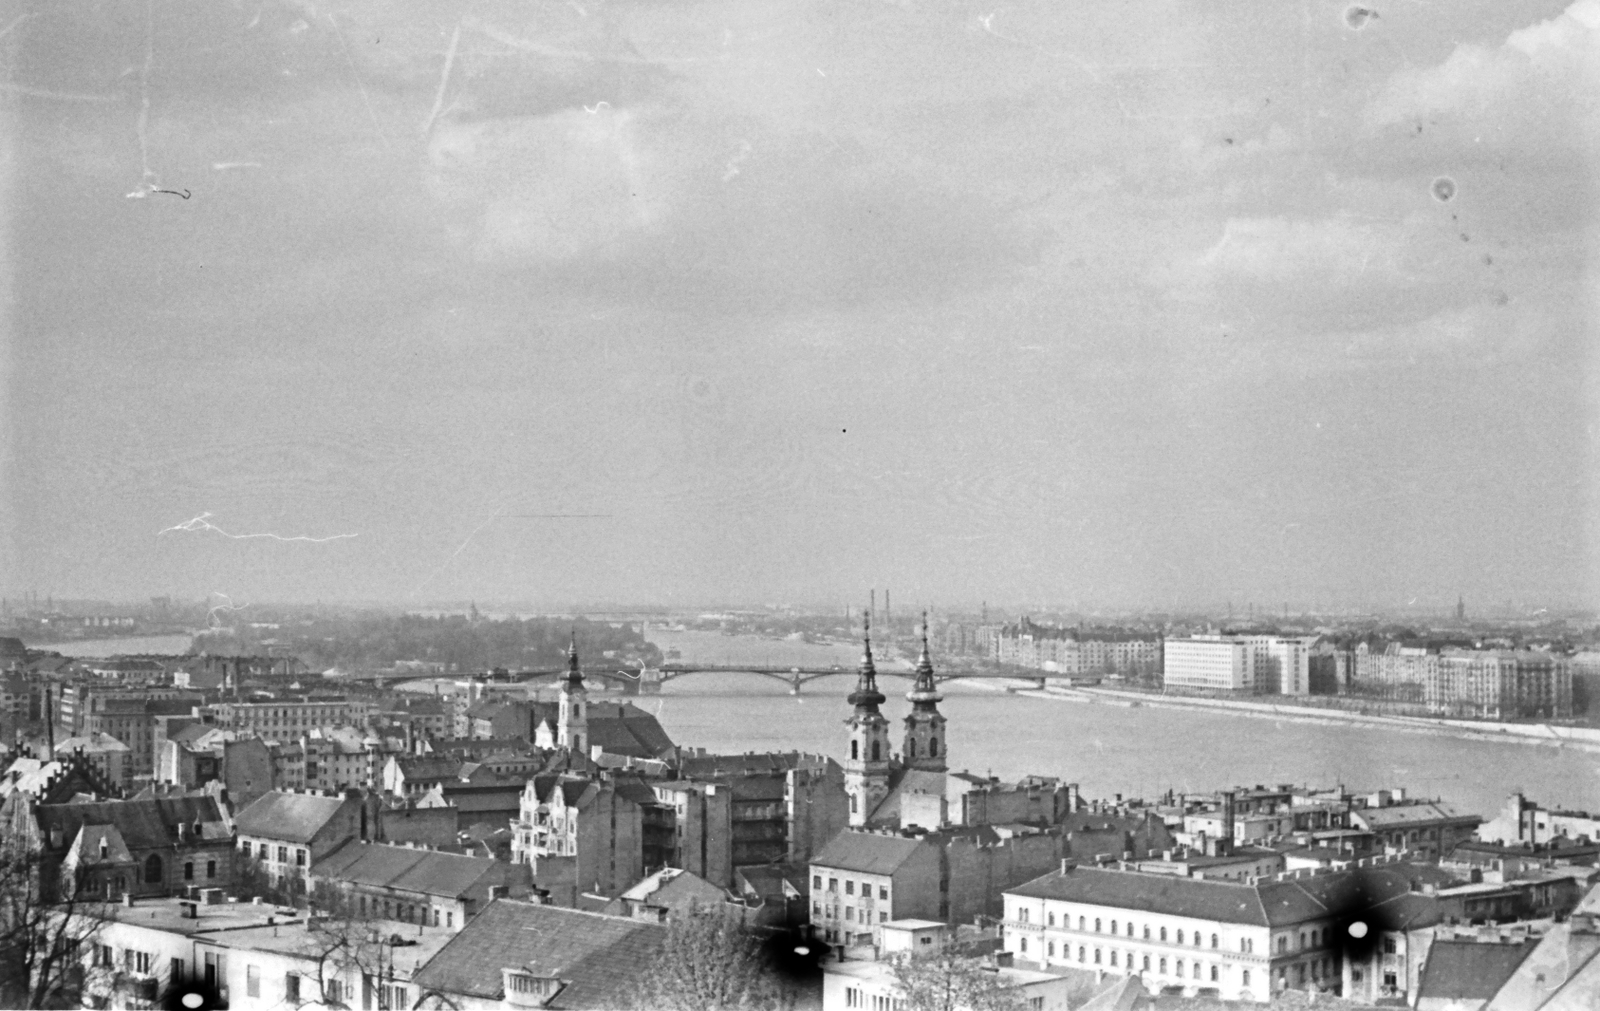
(1106,749)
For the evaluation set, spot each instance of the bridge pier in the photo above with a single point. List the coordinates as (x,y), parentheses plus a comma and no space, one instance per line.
(649,682)
(795,683)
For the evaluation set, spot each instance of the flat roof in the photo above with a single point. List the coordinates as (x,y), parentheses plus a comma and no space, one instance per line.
(298,939)
(167,915)
(912,924)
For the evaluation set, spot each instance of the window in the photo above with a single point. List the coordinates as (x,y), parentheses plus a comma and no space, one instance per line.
(1113,958)
(849,887)
(833,884)
(283,854)
(291,987)
(188,870)
(849,912)
(1214,940)
(1022,914)
(1097,956)
(1050,949)
(334,991)
(152,870)
(1213,974)
(1022,943)
(1163,934)
(211,869)
(175,971)
(816,908)
(1163,967)
(1247,977)
(1388,946)
(1283,945)
(816,882)
(252,981)
(1180,936)
(1035,1004)
(1389,979)
(883,917)
(875,751)
(1080,953)
(299,858)
(855,750)
(1144,963)
(1080,923)
(1130,928)
(1097,925)
(1113,926)
(1147,932)
(883,892)
(139,961)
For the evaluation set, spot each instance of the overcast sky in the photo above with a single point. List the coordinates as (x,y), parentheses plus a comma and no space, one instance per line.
(778,300)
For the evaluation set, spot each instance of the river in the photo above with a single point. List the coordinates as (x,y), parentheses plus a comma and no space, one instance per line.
(160,645)
(1106,749)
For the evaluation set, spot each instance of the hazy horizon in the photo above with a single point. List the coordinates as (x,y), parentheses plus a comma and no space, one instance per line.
(704,300)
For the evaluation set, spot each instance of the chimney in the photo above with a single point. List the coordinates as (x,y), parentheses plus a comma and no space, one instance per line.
(127,899)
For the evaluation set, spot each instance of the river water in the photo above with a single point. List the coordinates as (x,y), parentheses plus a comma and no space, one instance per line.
(162,645)
(1106,749)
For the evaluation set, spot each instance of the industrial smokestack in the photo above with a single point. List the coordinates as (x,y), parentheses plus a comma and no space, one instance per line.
(49,723)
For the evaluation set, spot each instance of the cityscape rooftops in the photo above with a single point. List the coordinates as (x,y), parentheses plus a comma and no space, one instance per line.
(452,875)
(196,916)
(867,852)
(293,817)
(599,959)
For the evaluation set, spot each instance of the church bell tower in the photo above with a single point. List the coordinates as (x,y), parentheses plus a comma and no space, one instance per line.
(925,737)
(572,724)
(866,769)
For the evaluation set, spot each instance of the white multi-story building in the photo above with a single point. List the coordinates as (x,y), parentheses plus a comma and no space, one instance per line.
(1207,661)
(1263,664)
(290,720)
(1243,940)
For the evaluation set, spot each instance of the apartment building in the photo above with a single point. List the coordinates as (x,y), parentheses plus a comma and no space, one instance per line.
(288,720)
(1259,664)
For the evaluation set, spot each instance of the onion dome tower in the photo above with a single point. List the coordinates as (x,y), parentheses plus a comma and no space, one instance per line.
(925,736)
(572,724)
(866,770)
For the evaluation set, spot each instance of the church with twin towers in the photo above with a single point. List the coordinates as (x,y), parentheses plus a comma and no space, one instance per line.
(888,790)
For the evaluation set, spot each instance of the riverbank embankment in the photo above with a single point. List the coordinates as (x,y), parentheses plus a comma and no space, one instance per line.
(1579,738)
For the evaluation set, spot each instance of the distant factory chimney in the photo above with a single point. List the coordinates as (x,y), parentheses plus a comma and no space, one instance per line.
(872,604)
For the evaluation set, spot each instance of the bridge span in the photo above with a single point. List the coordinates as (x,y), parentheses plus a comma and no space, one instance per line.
(648,680)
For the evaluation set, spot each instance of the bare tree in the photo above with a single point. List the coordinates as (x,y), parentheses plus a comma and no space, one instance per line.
(947,981)
(48,924)
(709,961)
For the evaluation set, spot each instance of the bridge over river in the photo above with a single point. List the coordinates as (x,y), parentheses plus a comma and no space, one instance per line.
(644,680)
(648,680)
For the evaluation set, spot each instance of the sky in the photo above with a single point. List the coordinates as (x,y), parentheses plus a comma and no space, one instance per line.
(1144,303)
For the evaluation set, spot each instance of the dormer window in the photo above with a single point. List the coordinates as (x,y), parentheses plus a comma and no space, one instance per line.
(526,989)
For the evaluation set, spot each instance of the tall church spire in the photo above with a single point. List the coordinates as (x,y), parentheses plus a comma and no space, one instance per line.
(866,770)
(925,735)
(866,698)
(572,723)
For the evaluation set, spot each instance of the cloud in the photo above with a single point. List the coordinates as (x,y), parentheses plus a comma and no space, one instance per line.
(1333,250)
(1545,77)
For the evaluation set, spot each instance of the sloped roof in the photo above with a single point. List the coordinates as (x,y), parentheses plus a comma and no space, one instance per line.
(91,744)
(143,824)
(1405,815)
(602,959)
(1470,970)
(85,849)
(429,767)
(1266,903)
(451,875)
(292,817)
(866,852)
(624,729)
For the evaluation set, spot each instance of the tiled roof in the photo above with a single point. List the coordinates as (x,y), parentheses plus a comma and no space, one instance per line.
(428,767)
(1399,815)
(1470,970)
(293,817)
(624,729)
(445,874)
(866,852)
(85,849)
(143,824)
(1266,903)
(602,959)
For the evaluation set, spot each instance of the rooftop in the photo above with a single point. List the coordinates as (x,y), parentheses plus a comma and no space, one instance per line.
(294,817)
(600,958)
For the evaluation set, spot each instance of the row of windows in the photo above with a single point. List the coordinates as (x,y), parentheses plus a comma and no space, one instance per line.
(1245,944)
(407,912)
(1195,969)
(849,913)
(265,853)
(850,887)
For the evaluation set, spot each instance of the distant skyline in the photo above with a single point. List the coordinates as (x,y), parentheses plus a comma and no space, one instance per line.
(1148,304)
